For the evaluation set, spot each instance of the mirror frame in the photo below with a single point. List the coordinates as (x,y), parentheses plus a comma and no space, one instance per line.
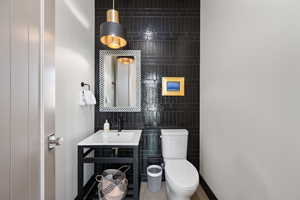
(137,55)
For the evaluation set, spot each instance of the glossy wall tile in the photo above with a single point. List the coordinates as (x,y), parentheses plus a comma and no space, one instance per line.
(168,34)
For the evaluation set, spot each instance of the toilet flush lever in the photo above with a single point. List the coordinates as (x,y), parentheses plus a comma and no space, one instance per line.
(54,141)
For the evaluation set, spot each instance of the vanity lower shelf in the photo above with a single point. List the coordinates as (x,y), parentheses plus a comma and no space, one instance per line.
(104,158)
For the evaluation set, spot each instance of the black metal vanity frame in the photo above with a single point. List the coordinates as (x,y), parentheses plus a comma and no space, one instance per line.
(83,152)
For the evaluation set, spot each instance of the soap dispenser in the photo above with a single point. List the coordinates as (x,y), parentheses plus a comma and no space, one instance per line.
(106,126)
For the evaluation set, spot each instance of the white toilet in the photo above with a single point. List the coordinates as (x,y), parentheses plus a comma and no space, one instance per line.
(182,178)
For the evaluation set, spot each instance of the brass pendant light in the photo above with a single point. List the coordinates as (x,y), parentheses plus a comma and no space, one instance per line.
(125,59)
(111,31)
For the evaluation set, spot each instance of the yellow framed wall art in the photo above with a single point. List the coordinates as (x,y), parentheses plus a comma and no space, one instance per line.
(172,86)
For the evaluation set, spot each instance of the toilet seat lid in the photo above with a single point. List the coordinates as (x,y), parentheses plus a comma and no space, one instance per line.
(182,174)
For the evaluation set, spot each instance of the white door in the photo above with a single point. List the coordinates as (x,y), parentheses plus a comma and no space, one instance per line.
(27,99)
(48,96)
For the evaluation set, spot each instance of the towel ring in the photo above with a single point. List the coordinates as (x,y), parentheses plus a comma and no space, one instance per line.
(85,84)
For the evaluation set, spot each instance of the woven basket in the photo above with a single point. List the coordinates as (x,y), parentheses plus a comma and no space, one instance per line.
(112,184)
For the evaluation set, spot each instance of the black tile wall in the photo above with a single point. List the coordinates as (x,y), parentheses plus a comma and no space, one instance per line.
(168,34)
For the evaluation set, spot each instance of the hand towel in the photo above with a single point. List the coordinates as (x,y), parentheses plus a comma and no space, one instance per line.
(87,98)
(90,97)
(81,98)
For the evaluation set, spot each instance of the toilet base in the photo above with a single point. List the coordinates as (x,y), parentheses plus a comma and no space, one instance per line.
(175,196)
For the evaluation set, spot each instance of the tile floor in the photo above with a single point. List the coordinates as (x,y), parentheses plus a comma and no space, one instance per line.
(146,195)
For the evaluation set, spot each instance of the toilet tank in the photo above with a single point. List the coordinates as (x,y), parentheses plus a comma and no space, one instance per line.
(174,143)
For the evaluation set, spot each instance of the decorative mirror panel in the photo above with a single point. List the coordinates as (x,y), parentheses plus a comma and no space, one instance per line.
(120,81)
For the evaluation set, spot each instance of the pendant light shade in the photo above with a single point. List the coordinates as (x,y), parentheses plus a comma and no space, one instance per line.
(111,32)
(112,35)
(125,59)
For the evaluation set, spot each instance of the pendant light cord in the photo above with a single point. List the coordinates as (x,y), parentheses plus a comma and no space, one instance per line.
(113,4)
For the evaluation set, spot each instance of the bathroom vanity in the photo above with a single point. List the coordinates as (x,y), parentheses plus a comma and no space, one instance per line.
(115,142)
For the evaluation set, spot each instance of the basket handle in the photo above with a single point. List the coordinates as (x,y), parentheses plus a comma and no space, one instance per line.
(127,167)
(99,178)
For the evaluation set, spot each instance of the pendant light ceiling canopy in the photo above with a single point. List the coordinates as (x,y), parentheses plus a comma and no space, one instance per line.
(125,59)
(111,31)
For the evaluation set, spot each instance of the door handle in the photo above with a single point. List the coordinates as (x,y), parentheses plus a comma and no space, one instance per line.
(54,141)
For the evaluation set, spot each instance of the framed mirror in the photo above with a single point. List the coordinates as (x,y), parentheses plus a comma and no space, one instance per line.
(120,80)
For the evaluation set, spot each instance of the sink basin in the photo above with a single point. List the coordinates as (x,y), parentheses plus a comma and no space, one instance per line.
(122,137)
(125,137)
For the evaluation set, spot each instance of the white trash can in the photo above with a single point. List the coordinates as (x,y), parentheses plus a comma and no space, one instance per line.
(154,174)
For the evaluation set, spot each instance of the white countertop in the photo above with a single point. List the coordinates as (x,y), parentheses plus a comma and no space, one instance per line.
(113,137)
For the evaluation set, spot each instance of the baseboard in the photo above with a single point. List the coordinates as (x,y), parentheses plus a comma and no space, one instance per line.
(210,194)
